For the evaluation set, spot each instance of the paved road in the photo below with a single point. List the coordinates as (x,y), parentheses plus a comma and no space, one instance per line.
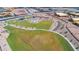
(61,28)
(8,18)
(3,42)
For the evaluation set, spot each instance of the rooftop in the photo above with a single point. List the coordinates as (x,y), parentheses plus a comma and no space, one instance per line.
(61,14)
(76,18)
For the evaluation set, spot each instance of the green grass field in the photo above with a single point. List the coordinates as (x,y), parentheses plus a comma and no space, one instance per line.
(36,40)
(28,17)
(41,25)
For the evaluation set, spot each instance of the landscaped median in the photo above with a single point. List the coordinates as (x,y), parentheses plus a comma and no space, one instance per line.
(36,40)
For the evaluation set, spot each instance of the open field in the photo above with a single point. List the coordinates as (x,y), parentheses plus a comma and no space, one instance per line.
(28,17)
(36,40)
(45,24)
